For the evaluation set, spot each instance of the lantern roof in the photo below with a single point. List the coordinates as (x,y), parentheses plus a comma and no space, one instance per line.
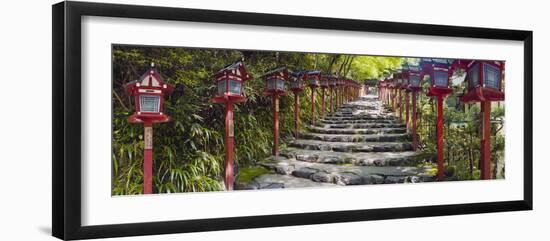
(281,72)
(313,73)
(149,79)
(235,71)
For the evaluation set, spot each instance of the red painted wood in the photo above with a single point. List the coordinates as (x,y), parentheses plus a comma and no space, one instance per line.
(229,143)
(407,110)
(296,114)
(275,101)
(414,141)
(331,104)
(147,164)
(400,105)
(312,106)
(486,140)
(323,103)
(440,164)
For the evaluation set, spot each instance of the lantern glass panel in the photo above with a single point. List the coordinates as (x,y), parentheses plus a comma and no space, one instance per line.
(473,76)
(280,84)
(313,81)
(221,87)
(295,84)
(149,103)
(235,87)
(414,80)
(491,76)
(441,79)
(275,84)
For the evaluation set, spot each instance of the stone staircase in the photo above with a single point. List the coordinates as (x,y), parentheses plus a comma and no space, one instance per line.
(361,143)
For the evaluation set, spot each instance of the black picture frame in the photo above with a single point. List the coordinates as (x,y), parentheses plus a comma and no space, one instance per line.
(66,127)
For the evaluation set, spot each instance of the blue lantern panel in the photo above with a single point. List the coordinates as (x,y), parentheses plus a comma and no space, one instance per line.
(491,76)
(414,80)
(441,79)
(473,76)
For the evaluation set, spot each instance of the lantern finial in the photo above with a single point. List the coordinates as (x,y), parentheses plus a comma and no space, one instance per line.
(152,64)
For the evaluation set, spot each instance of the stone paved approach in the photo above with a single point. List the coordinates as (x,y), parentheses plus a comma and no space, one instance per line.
(360,143)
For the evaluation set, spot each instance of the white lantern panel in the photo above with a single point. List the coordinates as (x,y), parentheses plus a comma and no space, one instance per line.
(280,84)
(149,103)
(491,76)
(221,87)
(235,87)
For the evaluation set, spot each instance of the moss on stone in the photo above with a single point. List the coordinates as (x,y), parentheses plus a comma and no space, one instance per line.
(247,174)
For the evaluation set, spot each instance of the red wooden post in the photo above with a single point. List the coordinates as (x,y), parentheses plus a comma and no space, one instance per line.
(296,114)
(486,140)
(323,103)
(229,143)
(400,106)
(275,101)
(440,164)
(414,120)
(407,110)
(148,158)
(331,104)
(312,106)
(392,96)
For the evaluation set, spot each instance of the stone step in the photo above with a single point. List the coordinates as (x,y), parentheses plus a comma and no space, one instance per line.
(315,129)
(361,125)
(389,121)
(276,181)
(408,158)
(360,117)
(355,137)
(351,146)
(349,175)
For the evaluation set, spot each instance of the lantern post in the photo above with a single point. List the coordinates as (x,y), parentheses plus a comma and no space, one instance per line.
(229,82)
(275,86)
(440,72)
(332,85)
(296,86)
(149,91)
(313,77)
(325,83)
(414,82)
(484,86)
(399,86)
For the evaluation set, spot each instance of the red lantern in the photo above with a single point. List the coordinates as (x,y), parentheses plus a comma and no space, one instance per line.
(312,78)
(229,82)
(297,86)
(484,80)
(275,86)
(148,91)
(412,74)
(484,86)
(275,81)
(333,80)
(325,80)
(440,72)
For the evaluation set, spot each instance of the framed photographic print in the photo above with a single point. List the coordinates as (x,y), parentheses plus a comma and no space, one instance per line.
(170,120)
